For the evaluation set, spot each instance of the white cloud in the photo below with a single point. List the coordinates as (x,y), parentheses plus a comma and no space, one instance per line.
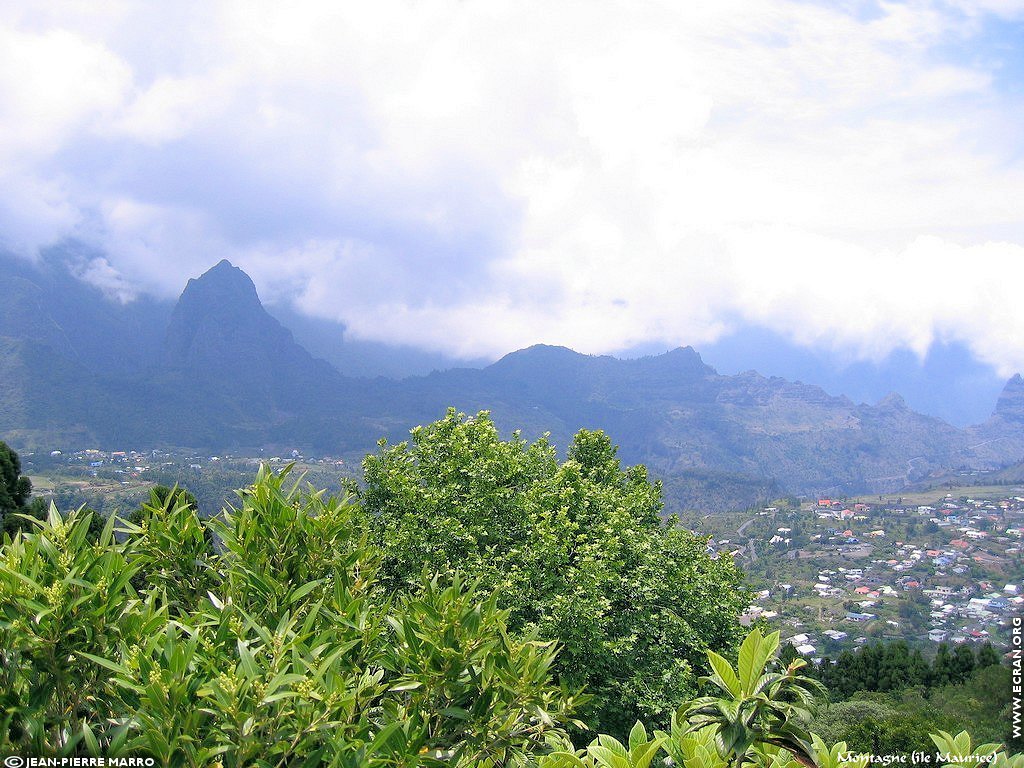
(98,272)
(475,177)
(53,85)
(871,301)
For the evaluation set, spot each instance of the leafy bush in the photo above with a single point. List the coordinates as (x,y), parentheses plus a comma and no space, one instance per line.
(294,650)
(62,600)
(757,707)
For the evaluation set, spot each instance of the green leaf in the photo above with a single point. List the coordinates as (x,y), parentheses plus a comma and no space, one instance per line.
(113,666)
(296,595)
(637,736)
(608,758)
(724,671)
(753,656)
(380,741)
(247,661)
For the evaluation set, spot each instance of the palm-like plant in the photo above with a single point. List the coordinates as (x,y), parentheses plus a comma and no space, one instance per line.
(609,752)
(958,750)
(756,708)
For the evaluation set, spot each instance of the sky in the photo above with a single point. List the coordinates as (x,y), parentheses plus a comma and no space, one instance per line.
(474,177)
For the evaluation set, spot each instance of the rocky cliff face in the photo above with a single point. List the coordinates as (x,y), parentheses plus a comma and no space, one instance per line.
(1010,405)
(217,320)
(222,338)
(1000,440)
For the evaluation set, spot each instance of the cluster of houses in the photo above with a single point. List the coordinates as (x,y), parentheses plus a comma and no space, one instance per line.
(957,617)
(954,561)
(135,463)
(952,620)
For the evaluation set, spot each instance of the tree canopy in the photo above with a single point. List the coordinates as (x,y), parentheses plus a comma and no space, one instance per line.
(15,488)
(577,551)
(16,506)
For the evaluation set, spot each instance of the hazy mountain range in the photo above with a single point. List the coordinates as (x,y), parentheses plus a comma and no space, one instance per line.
(217,371)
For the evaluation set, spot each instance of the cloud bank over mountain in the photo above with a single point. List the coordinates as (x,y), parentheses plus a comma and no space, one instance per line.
(476,177)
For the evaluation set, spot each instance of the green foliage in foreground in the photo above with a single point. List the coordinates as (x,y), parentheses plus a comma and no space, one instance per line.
(758,719)
(283,645)
(757,707)
(577,551)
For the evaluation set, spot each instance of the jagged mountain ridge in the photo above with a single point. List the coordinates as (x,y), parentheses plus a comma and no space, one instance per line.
(228,375)
(675,414)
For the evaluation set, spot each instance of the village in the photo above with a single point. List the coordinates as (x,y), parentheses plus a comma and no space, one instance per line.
(833,575)
(93,461)
(118,481)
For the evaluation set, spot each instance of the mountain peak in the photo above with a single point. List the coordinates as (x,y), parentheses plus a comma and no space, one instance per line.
(222,281)
(539,354)
(1010,404)
(893,400)
(219,329)
(687,357)
(682,362)
(547,350)
(216,305)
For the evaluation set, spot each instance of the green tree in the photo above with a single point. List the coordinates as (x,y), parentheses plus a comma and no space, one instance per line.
(848,675)
(944,669)
(15,489)
(917,671)
(577,551)
(895,666)
(987,656)
(963,663)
